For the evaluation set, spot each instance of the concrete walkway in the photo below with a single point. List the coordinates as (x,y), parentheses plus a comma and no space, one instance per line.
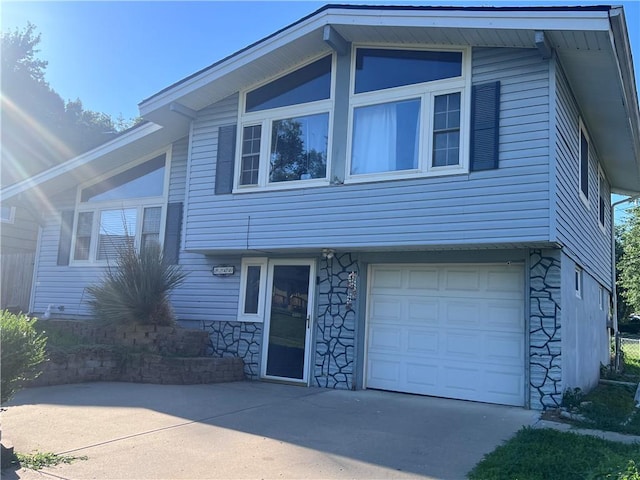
(252,430)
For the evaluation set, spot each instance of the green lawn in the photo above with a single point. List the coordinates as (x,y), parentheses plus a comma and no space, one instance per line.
(544,454)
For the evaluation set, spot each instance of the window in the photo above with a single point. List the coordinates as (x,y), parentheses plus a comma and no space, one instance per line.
(120,211)
(578,282)
(253,281)
(7,214)
(602,203)
(407,110)
(285,129)
(584,166)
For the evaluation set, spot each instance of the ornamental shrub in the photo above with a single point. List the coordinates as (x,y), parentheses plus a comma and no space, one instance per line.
(23,351)
(136,289)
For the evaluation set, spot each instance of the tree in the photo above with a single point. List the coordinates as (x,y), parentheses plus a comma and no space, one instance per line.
(628,266)
(40,129)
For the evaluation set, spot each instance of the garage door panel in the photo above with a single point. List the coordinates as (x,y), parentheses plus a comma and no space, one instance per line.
(387,278)
(503,348)
(423,311)
(461,313)
(507,315)
(448,330)
(424,279)
(422,342)
(462,280)
(386,307)
(504,281)
(385,339)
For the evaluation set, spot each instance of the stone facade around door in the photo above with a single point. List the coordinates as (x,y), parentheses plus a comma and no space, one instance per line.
(545,333)
(335,335)
(237,339)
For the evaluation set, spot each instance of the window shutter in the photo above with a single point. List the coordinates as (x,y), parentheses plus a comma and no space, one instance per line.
(66,233)
(226,159)
(172,233)
(485,120)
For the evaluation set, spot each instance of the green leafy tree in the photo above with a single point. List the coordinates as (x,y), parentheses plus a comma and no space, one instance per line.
(629,263)
(23,351)
(40,129)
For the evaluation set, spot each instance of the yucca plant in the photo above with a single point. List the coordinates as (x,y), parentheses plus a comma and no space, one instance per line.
(136,289)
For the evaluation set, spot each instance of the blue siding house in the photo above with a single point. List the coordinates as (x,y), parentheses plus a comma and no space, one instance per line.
(414,199)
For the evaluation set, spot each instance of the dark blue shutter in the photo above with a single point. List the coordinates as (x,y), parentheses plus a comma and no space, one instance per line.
(226,159)
(66,233)
(172,233)
(485,126)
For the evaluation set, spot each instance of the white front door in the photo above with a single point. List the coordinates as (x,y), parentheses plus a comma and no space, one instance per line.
(454,331)
(290,288)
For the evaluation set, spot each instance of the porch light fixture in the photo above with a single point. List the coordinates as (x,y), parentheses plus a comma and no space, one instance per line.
(328,253)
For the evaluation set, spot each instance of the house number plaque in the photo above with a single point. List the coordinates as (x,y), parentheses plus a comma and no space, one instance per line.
(223,270)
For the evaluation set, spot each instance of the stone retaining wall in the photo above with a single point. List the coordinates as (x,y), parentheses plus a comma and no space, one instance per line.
(142,354)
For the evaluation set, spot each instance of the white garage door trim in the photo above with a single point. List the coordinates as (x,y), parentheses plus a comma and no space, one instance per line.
(448,330)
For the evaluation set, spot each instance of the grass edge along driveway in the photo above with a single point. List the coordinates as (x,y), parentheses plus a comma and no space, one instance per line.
(542,454)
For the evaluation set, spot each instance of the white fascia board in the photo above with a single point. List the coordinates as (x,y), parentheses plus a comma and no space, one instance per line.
(489,19)
(121,141)
(234,62)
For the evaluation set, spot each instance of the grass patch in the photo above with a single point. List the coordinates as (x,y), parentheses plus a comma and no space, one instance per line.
(541,454)
(39,460)
(611,407)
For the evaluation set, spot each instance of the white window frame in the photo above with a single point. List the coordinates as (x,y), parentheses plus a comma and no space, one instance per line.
(246,263)
(265,119)
(582,130)
(138,203)
(426,92)
(578,280)
(11,218)
(601,178)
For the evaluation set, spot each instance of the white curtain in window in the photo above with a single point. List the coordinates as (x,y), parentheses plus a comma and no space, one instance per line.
(374,139)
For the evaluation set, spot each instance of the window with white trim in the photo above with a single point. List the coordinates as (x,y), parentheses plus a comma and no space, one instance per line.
(584,165)
(7,214)
(602,203)
(123,210)
(408,109)
(253,282)
(578,281)
(284,135)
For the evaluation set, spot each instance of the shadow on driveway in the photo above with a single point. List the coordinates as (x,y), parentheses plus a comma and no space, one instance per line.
(254,430)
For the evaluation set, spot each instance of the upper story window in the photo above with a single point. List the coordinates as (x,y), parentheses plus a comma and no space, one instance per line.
(408,111)
(602,203)
(584,165)
(285,129)
(7,214)
(123,210)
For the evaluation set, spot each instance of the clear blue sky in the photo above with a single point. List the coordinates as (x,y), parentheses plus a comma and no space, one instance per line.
(112,55)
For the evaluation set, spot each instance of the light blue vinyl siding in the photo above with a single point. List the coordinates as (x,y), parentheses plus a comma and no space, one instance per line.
(578,227)
(65,285)
(507,205)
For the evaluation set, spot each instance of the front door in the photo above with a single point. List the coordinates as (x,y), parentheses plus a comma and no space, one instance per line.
(288,322)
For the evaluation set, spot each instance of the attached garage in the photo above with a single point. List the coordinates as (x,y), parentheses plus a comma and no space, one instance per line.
(454,331)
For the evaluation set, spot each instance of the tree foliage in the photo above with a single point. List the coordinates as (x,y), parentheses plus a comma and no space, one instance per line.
(40,129)
(23,351)
(628,265)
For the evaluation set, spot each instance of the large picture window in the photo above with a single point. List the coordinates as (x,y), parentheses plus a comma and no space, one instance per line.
(408,109)
(285,129)
(120,211)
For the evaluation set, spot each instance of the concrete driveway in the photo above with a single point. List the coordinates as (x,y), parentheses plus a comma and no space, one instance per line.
(252,430)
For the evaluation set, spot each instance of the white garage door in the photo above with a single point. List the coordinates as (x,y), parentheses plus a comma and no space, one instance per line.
(453,331)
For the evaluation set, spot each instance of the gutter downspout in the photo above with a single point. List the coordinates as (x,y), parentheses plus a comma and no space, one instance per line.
(614,290)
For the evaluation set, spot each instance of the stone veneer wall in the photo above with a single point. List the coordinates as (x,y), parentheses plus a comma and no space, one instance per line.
(545,334)
(237,339)
(335,329)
